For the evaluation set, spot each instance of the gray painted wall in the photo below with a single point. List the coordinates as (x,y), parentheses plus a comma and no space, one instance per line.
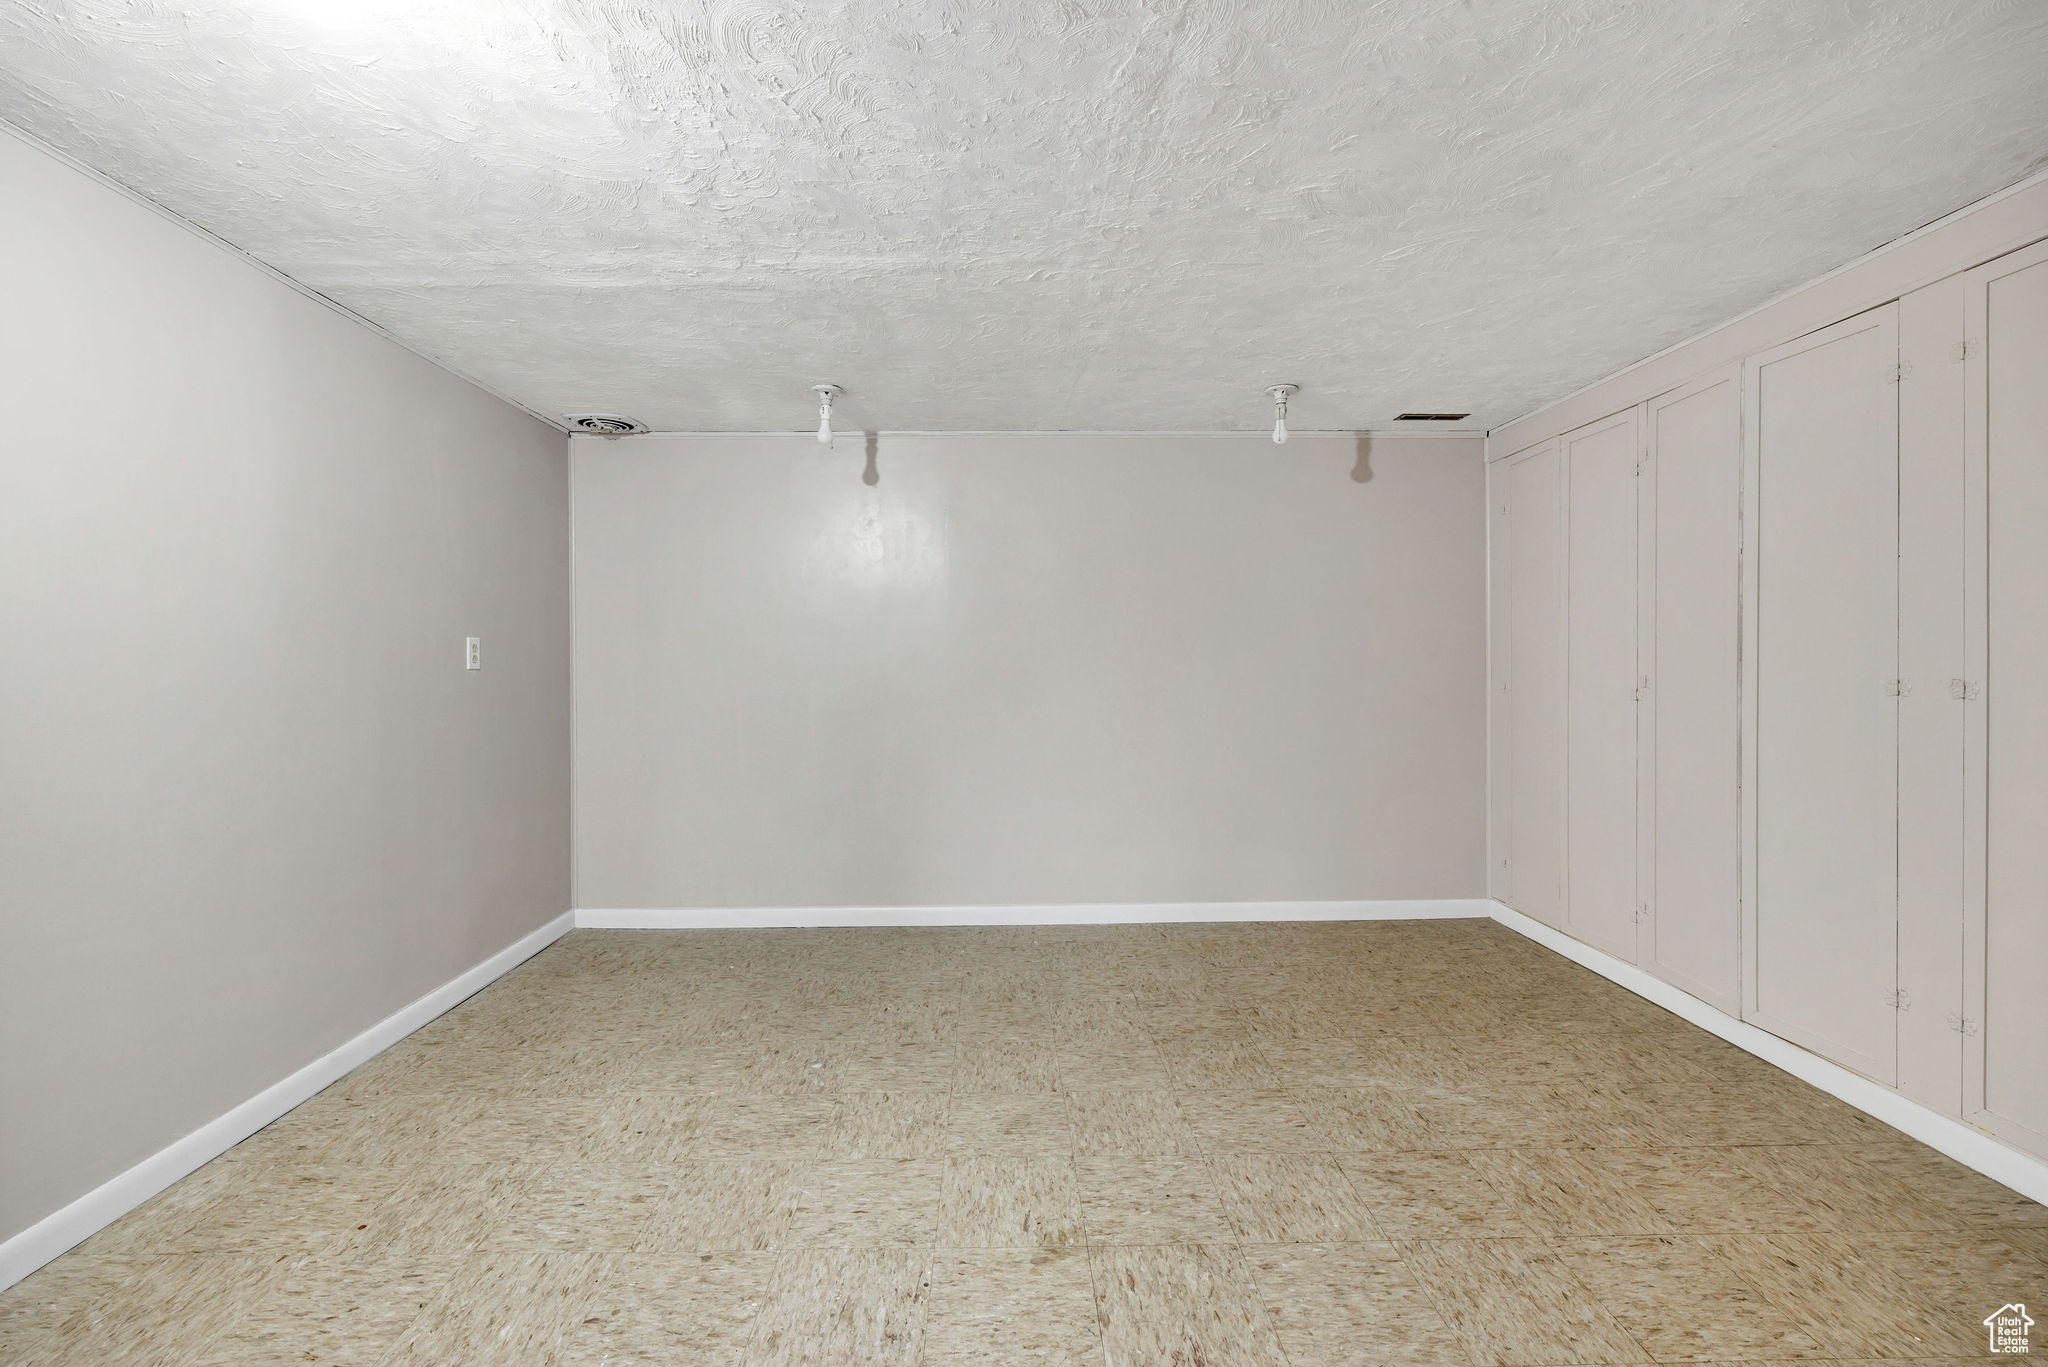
(1036,669)
(250,801)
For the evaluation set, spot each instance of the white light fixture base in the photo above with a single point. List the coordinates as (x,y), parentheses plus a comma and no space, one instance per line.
(826,393)
(1280,393)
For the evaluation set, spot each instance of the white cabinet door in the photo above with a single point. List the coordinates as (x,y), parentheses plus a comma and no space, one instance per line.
(1821,571)
(1600,683)
(1535,631)
(1692,704)
(2005,1080)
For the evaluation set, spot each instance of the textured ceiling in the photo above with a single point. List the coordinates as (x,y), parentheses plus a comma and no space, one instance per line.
(1083,214)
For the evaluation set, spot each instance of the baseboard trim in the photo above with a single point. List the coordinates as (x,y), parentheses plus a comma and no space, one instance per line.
(1096,914)
(1965,1143)
(108,1202)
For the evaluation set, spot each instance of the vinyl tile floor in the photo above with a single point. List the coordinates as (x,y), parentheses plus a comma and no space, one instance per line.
(1302,1144)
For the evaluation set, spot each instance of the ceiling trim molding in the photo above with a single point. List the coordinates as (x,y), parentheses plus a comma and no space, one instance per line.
(215,239)
(1261,434)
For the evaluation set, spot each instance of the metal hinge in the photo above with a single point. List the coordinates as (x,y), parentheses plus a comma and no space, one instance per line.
(1963,350)
(1642,913)
(1962,690)
(1898,688)
(1643,688)
(1961,1024)
(1900,371)
(1899,999)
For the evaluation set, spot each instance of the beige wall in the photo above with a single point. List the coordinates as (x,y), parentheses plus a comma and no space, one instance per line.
(1040,669)
(250,801)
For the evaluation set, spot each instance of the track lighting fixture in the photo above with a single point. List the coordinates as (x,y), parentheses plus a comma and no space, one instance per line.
(1280,393)
(826,393)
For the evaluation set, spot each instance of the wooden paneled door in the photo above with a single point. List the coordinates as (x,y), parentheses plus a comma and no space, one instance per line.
(1821,598)
(1601,682)
(1689,716)
(2005,913)
(1530,550)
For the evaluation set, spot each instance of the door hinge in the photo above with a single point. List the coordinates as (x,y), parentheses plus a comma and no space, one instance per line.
(1900,371)
(1642,688)
(1963,350)
(1962,690)
(1899,999)
(1898,688)
(1961,1024)
(1642,913)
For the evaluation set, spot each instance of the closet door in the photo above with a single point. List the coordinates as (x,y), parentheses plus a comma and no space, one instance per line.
(2005,1081)
(1823,600)
(1600,683)
(1535,526)
(1691,707)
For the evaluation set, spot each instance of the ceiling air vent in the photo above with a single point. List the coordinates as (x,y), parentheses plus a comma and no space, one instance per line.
(604,424)
(1431,417)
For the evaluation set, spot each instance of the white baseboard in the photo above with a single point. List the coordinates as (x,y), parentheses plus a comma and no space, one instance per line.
(108,1202)
(1112,913)
(1965,1143)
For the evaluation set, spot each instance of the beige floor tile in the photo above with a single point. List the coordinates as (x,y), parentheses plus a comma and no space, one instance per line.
(1152,1088)
(446,1208)
(1681,1301)
(1710,1191)
(1231,1122)
(1151,1201)
(1951,1278)
(725,1206)
(35,1309)
(1513,1302)
(1008,1308)
(1972,1198)
(1363,1119)
(868,1203)
(1010,1202)
(850,1306)
(296,1209)
(1846,1300)
(1191,1303)
(1291,1199)
(1843,1193)
(1006,1064)
(1569,1191)
(1432,1196)
(1129,1124)
(888,1125)
(1215,1061)
(168,1314)
(1109,1061)
(650,1310)
(1351,1305)
(329,1311)
(580,1207)
(753,1126)
(1008,1123)
(897,1068)
(500,1310)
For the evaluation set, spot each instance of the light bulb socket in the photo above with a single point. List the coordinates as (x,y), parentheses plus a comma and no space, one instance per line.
(1280,393)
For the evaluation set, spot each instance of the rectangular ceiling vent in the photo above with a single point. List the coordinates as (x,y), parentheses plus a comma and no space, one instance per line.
(1431,417)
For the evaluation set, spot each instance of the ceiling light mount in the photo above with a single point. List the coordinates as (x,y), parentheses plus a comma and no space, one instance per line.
(1281,393)
(826,393)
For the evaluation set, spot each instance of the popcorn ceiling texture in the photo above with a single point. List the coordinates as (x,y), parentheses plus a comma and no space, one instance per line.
(1095,214)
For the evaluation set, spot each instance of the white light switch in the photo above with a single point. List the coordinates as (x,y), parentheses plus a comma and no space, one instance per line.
(473,654)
